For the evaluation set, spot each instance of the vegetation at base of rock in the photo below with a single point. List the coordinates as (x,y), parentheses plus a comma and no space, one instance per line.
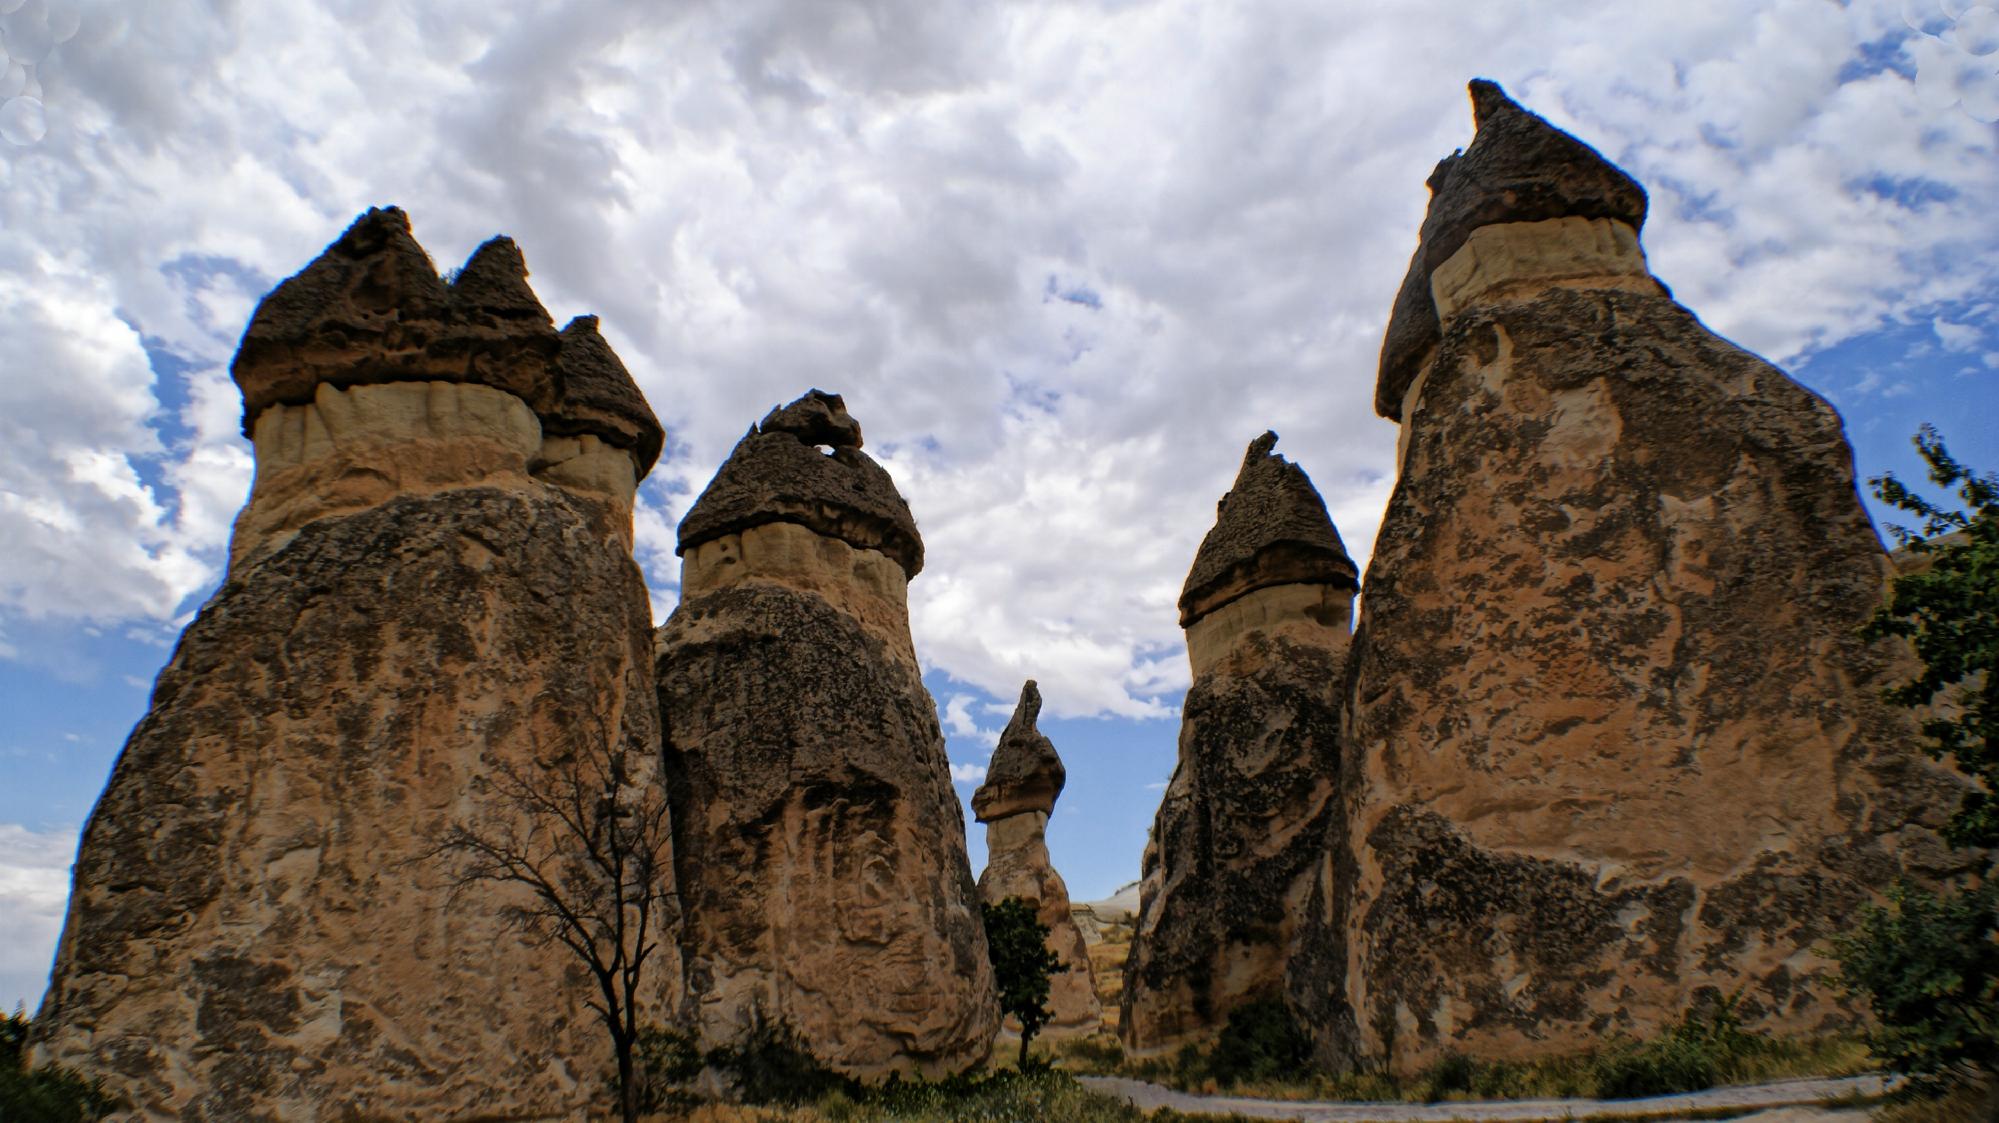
(1022,965)
(1001,1097)
(1708,1047)
(1928,962)
(664,1062)
(53,1094)
(770,1063)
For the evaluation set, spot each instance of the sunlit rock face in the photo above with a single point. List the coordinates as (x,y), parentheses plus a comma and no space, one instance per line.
(820,847)
(432,581)
(1023,781)
(1616,744)
(1246,818)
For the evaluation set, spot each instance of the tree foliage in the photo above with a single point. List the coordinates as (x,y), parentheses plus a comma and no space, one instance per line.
(1949,611)
(1022,965)
(1928,963)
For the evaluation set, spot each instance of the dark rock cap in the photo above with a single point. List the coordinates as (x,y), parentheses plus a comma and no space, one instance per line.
(1025,774)
(1519,168)
(1270,529)
(599,397)
(372,309)
(778,474)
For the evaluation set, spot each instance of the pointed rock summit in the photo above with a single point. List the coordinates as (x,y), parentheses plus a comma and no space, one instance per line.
(1619,745)
(426,591)
(1241,834)
(820,846)
(1023,781)
(1024,774)
(1519,168)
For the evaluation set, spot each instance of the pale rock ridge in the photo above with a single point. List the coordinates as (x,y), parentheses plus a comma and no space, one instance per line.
(1614,744)
(1243,826)
(1023,781)
(260,928)
(820,845)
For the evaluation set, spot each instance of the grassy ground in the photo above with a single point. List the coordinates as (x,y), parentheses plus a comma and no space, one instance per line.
(1006,1097)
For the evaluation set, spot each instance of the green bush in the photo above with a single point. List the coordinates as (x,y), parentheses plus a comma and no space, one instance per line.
(1929,966)
(51,1094)
(1260,1041)
(664,1062)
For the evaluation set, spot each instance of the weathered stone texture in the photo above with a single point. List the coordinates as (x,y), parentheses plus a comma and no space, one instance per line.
(1023,781)
(259,930)
(1617,743)
(820,847)
(1246,817)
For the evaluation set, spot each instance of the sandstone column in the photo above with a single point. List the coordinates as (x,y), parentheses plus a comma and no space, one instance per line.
(1620,745)
(1242,830)
(432,580)
(821,848)
(1023,781)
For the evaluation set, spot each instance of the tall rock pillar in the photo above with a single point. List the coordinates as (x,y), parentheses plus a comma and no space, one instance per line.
(1241,834)
(432,582)
(1022,784)
(820,845)
(1620,744)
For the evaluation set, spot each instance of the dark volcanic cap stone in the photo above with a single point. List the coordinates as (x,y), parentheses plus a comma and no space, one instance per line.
(778,474)
(599,397)
(372,309)
(1270,529)
(1519,168)
(1025,773)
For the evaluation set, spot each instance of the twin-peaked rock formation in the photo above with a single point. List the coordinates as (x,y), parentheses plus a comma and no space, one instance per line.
(1246,816)
(1613,741)
(1022,783)
(820,846)
(432,583)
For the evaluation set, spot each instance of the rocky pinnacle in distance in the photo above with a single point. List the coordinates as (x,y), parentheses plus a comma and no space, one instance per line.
(1241,834)
(1023,780)
(431,584)
(821,848)
(1621,749)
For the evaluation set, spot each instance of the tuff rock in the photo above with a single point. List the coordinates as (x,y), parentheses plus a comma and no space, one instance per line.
(1614,745)
(1023,781)
(259,928)
(820,846)
(1246,817)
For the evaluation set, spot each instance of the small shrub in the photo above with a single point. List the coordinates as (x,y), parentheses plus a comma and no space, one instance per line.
(1261,1041)
(51,1094)
(1929,966)
(664,1062)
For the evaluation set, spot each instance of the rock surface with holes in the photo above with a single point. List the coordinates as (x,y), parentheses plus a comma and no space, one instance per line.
(1245,819)
(1615,745)
(821,848)
(1023,781)
(259,929)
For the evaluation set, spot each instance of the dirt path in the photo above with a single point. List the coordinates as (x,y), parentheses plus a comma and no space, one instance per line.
(1754,1097)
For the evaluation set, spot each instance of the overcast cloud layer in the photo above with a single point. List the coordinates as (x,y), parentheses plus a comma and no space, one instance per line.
(1064,259)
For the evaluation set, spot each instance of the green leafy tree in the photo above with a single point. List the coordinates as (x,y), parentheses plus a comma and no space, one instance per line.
(1929,962)
(1022,965)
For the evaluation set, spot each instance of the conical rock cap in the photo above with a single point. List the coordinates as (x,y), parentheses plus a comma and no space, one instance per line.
(1025,773)
(1270,529)
(777,473)
(1519,168)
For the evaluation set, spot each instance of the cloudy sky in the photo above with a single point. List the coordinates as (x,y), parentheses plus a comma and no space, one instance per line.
(1064,258)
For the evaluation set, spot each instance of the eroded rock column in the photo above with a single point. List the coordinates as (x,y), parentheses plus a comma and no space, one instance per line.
(1023,781)
(432,581)
(1621,746)
(821,848)
(1242,832)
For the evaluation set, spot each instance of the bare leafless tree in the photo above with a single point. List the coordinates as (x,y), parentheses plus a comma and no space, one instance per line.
(589,839)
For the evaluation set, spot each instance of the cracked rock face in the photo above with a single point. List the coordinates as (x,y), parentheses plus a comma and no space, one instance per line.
(1617,744)
(1246,818)
(415,600)
(1022,783)
(820,846)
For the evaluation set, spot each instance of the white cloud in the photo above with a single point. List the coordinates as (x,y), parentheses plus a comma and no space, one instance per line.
(968,773)
(1956,337)
(873,197)
(34,890)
